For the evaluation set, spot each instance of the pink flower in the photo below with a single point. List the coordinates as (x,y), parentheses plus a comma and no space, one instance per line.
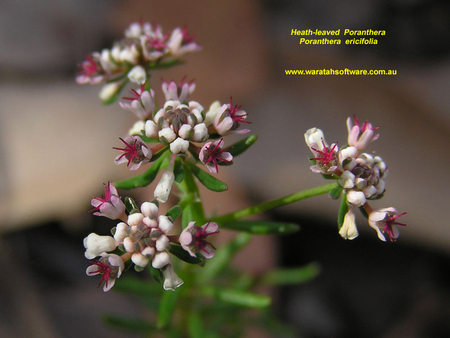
(383,221)
(178,92)
(110,205)
(136,151)
(229,118)
(193,239)
(360,136)
(180,42)
(110,266)
(142,103)
(212,154)
(90,71)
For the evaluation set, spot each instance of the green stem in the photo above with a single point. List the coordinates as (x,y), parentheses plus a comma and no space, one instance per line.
(301,195)
(191,202)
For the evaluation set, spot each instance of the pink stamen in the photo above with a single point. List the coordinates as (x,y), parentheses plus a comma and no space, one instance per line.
(233,111)
(130,151)
(104,270)
(186,37)
(200,236)
(327,155)
(89,67)
(214,154)
(103,199)
(135,94)
(389,223)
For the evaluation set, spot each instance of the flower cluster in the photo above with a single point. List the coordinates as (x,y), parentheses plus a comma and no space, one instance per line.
(144,237)
(144,47)
(360,176)
(181,125)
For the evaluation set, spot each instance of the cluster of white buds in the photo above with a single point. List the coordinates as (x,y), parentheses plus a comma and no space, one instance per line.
(144,47)
(360,175)
(144,237)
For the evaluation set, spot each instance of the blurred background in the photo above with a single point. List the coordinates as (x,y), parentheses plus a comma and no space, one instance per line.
(56,151)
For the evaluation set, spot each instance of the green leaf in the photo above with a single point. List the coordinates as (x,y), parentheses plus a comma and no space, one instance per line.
(335,193)
(116,94)
(162,65)
(129,324)
(241,146)
(262,227)
(195,325)
(243,298)
(131,206)
(223,257)
(167,307)
(157,275)
(178,170)
(363,212)
(291,276)
(182,254)
(146,178)
(137,286)
(206,179)
(343,209)
(174,212)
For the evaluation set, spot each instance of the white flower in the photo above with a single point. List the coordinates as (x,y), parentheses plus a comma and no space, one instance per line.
(200,133)
(347,180)
(314,138)
(137,128)
(137,75)
(212,112)
(168,134)
(179,146)
(171,279)
(356,198)
(109,90)
(96,244)
(151,129)
(164,186)
(348,229)
(160,260)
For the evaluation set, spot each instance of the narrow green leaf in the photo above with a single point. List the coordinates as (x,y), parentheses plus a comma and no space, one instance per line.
(178,170)
(241,146)
(291,276)
(262,227)
(335,193)
(137,286)
(167,307)
(146,178)
(129,324)
(157,275)
(223,257)
(163,65)
(174,212)
(363,212)
(195,325)
(182,254)
(206,179)
(158,154)
(116,94)
(131,206)
(188,214)
(243,298)
(343,208)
